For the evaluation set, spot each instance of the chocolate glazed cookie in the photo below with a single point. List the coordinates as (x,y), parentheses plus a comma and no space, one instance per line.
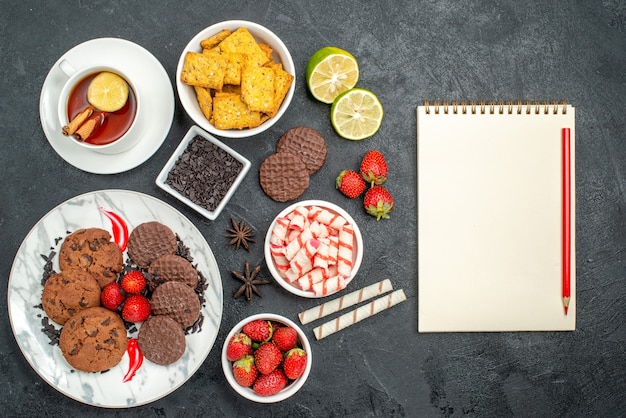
(149,241)
(161,340)
(171,267)
(178,301)
(283,176)
(306,143)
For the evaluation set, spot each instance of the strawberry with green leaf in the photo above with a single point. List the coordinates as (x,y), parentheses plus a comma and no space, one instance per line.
(238,346)
(350,183)
(244,371)
(378,202)
(294,363)
(374,168)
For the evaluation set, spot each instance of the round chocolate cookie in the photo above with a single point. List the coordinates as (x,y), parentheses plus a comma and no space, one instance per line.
(93,340)
(161,340)
(171,267)
(283,176)
(149,241)
(92,250)
(178,301)
(69,292)
(306,143)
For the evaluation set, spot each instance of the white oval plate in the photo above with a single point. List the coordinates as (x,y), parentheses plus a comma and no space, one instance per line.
(152,381)
(153,86)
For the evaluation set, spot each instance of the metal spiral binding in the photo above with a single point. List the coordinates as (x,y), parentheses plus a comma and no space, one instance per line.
(496,107)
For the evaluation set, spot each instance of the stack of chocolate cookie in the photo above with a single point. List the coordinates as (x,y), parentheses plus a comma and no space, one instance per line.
(284,176)
(174,302)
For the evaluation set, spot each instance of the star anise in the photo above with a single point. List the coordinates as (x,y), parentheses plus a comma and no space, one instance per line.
(241,234)
(250,282)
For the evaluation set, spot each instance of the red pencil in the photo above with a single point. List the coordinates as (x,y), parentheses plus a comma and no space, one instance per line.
(566,216)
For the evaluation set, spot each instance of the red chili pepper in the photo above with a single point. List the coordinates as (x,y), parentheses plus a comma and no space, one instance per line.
(135,359)
(120,229)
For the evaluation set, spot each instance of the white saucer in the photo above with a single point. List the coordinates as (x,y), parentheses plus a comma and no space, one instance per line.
(152,83)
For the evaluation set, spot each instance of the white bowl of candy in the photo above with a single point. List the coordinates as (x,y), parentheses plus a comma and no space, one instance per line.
(313,248)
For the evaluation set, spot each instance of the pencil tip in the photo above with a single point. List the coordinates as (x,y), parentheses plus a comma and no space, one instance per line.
(565,307)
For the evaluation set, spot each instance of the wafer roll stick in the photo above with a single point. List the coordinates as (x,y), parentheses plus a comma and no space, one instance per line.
(319,230)
(330,285)
(297,243)
(281,262)
(320,259)
(359,314)
(334,220)
(333,252)
(345,301)
(293,234)
(299,218)
(302,262)
(344,258)
(278,238)
(307,281)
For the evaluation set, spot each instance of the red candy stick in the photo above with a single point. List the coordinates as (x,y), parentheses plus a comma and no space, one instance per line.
(135,359)
(120,230)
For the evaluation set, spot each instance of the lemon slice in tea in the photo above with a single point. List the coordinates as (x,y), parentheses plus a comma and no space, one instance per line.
(356,114)
(107,92)
(330,72)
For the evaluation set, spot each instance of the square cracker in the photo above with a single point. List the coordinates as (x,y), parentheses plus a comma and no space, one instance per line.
(264,88)
(257,88)
(204,70)
(235,61)
(242,41)
(282,83)
(230,112)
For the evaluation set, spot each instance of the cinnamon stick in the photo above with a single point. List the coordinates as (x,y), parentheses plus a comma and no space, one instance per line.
(86,129)
(75,123)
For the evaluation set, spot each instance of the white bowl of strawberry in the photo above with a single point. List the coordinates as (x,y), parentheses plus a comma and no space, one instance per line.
(266,358)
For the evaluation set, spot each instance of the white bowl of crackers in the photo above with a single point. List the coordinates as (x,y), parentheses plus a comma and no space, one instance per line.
(235,79)
(313,248)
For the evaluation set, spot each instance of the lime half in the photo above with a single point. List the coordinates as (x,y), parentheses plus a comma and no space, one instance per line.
(330,72)
(356,114)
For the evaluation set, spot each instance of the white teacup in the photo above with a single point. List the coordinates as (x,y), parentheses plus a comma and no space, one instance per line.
(127,139)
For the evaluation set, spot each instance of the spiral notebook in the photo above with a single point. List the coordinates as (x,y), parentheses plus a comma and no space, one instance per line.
(495,193)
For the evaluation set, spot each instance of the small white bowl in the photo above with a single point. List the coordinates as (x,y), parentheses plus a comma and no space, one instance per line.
(357,255)
(187,94)
(191,134)
(291,387)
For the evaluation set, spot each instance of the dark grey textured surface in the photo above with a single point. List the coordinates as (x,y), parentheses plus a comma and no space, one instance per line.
(408,51)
